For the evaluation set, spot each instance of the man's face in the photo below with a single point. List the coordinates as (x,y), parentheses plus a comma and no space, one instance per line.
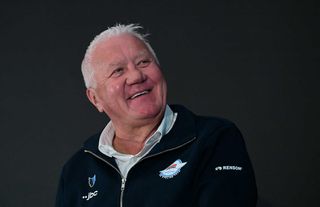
(130,87)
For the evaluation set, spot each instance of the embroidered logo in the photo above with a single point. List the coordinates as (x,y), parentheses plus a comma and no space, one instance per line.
(227,167)
(172,170)
(90,195)
(92,181)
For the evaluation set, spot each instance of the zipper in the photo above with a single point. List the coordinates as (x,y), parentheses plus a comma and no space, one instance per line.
(123,185)
(123,180)
(100,158)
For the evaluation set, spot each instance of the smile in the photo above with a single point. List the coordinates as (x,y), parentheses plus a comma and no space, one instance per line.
(139,94)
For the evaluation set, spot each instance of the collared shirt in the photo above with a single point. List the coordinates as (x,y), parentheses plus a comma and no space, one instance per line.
(126,161)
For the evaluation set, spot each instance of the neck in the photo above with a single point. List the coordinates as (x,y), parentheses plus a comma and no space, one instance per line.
(131,140)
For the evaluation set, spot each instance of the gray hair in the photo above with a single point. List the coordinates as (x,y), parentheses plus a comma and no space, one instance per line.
(132,29)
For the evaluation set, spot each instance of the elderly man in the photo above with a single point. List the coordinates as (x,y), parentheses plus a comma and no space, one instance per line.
(150,154)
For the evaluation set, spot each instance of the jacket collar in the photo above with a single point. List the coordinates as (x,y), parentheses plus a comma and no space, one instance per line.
(182,132)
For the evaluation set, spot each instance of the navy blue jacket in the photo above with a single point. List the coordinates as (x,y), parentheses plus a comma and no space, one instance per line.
(202,161)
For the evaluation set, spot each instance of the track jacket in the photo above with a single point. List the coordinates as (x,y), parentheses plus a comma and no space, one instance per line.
(201,162)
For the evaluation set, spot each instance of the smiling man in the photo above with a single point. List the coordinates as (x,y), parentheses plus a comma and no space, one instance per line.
(150,153)
(129,88)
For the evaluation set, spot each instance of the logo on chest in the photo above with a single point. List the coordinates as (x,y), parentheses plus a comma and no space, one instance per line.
(91,183)
(172,170)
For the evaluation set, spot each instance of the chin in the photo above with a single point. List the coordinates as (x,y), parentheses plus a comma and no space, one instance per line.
(149,112)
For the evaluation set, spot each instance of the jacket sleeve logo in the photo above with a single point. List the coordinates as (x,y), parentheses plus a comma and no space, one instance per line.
(172,170)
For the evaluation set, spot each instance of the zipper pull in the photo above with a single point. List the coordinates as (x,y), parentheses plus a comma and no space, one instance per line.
(123,183)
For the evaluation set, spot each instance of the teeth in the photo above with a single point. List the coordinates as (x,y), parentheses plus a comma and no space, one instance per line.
(139,94)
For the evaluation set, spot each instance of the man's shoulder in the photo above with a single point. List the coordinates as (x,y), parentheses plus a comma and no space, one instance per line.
(210,132)
(213,122)
(201,122)
(90,143)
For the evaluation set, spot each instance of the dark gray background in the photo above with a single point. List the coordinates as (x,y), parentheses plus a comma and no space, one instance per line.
(253,62)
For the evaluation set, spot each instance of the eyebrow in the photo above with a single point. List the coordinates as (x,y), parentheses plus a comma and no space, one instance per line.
(142,53)
(110,65)
(121,62)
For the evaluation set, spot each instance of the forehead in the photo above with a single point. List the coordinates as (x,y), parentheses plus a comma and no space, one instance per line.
(117,48)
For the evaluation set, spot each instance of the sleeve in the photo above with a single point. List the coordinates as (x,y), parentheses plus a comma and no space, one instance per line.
(226,177)
(60,193)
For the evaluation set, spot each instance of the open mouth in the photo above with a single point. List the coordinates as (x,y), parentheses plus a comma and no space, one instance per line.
(139,94)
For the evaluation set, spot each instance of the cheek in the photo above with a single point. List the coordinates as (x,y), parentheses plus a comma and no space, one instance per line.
(156,76)
(161,85)
(113,90)
(159,79)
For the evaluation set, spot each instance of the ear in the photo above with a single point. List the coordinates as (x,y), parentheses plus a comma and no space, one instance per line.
(93,98)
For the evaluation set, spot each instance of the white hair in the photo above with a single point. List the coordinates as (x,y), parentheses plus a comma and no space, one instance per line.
(87,66)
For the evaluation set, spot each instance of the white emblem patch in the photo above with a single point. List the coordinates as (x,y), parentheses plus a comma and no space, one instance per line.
(172,170)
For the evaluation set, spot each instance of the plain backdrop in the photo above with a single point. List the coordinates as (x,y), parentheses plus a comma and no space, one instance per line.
(253,62)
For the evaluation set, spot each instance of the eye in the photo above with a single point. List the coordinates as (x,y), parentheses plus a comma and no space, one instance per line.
(117,72)
(144,62)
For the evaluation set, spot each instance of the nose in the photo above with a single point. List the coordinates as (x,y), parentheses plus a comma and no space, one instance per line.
(135,75)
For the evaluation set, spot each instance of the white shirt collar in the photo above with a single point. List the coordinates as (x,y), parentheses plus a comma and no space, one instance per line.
(107,135)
